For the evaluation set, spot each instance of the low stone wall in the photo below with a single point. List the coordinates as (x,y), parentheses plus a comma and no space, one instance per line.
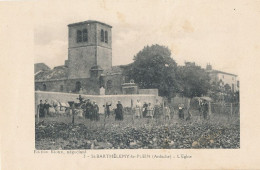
(100,99)
(149,91)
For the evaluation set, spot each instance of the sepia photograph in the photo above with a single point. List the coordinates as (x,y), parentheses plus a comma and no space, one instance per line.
(154,101)
(129,84)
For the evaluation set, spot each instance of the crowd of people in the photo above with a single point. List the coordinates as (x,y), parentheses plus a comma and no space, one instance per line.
(91,110)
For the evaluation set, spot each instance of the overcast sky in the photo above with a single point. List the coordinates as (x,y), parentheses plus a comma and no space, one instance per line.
(203,32)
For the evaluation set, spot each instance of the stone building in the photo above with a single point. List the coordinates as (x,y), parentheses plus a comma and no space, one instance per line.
(224,78)
(89,65)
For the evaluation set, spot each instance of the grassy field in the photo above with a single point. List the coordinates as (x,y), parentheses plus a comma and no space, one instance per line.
(220,131)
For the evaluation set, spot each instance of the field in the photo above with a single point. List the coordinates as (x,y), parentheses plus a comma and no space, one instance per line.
(220,131)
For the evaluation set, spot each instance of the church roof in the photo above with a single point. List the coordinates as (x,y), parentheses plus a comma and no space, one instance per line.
(96,67)
(89,22)
(58,73)
(114,70)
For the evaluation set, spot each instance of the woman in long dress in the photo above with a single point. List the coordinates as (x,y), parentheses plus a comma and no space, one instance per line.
(119,111)
(149,111)
(138,109)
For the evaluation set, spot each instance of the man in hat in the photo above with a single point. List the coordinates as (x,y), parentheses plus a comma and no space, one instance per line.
(88,107)
(95,111)
(46,107)
(40,109)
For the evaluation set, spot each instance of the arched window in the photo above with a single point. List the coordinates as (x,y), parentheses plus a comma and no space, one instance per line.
(102,35)
(79,36)
(109,85)
(78,86)
(44,87)
(106,37)
(61,87)
(85,35)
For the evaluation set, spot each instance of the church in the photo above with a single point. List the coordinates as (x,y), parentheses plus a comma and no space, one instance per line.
(88,68)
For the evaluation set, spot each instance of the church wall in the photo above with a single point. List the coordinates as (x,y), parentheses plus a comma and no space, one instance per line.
(80,61)
(116,88)
(104,57)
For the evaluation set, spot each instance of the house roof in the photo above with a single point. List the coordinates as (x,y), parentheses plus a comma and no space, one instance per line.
(221,72)
(58,73)
(40,66)
(89,22)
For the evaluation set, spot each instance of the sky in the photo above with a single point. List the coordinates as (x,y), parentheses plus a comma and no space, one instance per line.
(215,32)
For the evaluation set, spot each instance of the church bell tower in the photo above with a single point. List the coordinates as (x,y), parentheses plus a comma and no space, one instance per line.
(90,44)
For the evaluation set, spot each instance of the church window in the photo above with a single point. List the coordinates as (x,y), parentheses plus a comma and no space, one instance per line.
(106,37)
(78,86)
(102,35)
(61,87)
(109,85)
(79,36)
(85,35)
(44,87)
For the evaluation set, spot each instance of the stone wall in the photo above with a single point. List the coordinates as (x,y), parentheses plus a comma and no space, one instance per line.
(101,100)
(88,85)
(148,91)
(81,59)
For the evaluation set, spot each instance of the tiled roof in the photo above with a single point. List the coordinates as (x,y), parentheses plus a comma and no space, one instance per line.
(217,71)
(58,73)
(114,70)
(89,22)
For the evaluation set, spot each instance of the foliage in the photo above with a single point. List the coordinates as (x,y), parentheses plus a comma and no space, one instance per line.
(153,67)
(144,133)
(194,80)
(224,93)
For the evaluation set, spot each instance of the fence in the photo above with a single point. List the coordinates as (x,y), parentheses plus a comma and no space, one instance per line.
(225,108)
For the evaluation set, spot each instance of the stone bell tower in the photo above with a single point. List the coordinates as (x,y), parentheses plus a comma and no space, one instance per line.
(90,44)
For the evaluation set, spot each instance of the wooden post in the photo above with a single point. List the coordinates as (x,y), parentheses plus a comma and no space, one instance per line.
(163,110)
(209,111)
(132,103)
(231,109)
(38,112)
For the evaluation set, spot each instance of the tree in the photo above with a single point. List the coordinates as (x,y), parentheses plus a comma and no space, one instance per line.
(153,67)
(195,81)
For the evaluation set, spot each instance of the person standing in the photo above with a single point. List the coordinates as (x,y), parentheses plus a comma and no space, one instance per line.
(145,106)
(157,107)
(181,111)
(119,111)
(138,109)
(40,109)
(80,99)
(150,110)
(88,107)
(107,109)
(167,112)
(46,107)
(189,115)
(205,110)
(95,111)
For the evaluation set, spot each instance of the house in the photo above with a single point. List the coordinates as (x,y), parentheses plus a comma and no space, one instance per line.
(224,78)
